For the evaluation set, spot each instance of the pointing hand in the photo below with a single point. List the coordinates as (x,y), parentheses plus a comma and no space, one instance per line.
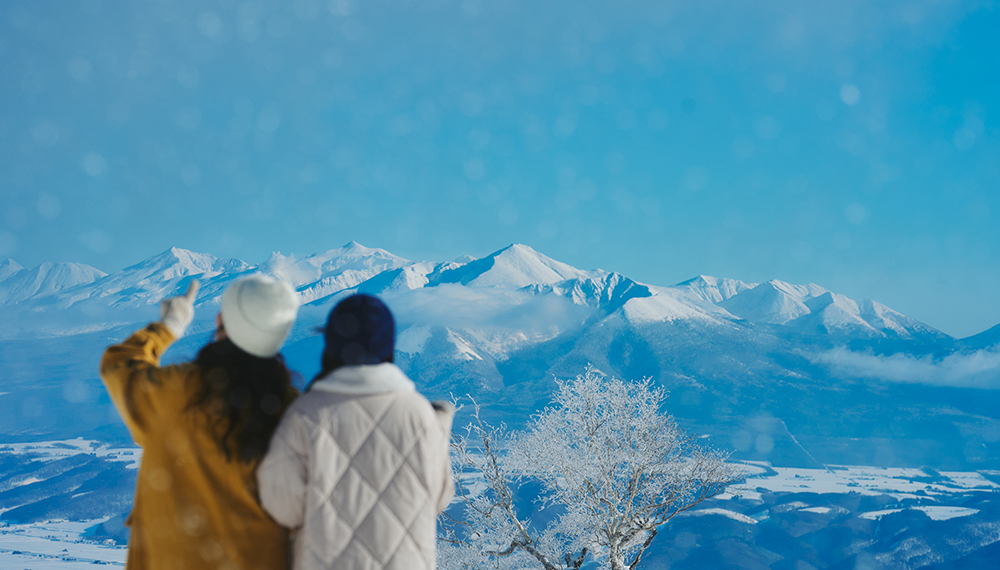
(176,313)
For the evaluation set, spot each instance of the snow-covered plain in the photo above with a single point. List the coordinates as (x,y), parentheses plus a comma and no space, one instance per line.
(899,483)
(64,545)
(935,513)
(51,450)
(57,545)
(67,545)
(936,489)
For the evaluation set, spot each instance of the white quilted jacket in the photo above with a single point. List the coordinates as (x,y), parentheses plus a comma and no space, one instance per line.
(359,467)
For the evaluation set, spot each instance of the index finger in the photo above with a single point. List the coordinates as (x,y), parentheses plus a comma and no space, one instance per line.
(192,291)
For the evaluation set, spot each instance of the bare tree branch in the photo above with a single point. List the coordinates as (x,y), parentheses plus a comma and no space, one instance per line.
(611,464)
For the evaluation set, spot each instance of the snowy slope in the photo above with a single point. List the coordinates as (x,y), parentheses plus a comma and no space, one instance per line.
(774,302)
(614,293)
(889,321)
(9,267)
(351,257)
(667,305)
(606,291)
(44,280)
(833,313)
(412,276)
(987,339)
(322,274)
(811,309)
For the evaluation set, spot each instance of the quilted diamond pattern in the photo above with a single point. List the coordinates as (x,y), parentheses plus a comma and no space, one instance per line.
(331,462)
(354,498)
(406,496)
(381,532)
(377,460)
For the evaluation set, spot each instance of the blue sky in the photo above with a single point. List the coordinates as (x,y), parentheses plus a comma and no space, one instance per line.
(851,144)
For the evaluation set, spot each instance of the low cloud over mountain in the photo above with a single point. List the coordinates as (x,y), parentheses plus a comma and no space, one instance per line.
(979,369)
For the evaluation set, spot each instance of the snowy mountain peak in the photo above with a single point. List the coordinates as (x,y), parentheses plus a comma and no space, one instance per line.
(46,279)
(351,253)
(9,267)
(321,275)
(812,309)
(519,248)
(356,247)
(276,257)
(151,280)
(413,276)
(830,298)
(607,291)
(514,266)
(175,262)
(833,313)
(770,302)
(284,267)
(799,292)
(894,323)
(714,289)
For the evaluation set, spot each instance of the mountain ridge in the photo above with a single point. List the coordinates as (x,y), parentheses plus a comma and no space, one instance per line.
(18,284)
(327,275)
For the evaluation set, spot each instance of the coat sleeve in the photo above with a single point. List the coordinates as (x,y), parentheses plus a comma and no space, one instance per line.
(445,412)
(132,375)
(283,474)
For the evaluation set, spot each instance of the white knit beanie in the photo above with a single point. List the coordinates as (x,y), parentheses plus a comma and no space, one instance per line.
(257,312)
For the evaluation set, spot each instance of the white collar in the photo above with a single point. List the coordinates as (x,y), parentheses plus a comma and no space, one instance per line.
(364,379)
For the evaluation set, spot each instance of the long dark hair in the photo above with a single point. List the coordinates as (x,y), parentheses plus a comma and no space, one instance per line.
(244,395)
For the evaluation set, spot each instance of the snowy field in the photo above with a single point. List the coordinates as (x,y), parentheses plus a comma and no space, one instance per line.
(52,450)
(900,483)
(68,545)
(55,545)
(58,544)
(897,482)
(934,490)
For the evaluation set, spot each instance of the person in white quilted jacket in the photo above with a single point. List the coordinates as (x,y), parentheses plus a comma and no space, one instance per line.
(359,464)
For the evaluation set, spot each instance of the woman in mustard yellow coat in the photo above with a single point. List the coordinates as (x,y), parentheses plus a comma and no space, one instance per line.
(203,427)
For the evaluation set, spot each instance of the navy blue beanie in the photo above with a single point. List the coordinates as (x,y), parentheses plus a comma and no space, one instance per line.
(359,330)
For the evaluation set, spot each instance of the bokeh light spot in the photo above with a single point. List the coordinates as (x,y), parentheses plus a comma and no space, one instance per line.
(93,164)
(850,94)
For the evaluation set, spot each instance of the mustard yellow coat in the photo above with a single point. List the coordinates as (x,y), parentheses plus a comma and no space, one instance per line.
(193,509)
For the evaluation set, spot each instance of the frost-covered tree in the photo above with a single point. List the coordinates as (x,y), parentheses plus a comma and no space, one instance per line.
(612,466)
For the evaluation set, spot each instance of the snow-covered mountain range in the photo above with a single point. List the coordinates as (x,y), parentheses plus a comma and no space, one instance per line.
(787,373)
(321,277)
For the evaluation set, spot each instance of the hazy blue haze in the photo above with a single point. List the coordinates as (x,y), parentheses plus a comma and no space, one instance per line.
(851,144)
